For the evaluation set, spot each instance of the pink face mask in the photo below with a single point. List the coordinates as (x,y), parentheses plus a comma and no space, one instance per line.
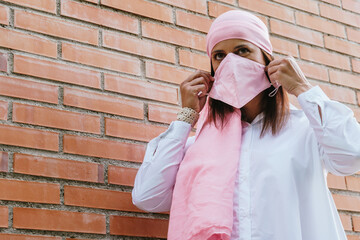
(238,80)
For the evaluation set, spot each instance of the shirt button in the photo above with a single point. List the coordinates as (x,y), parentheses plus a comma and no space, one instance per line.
(242,179)
(243,213)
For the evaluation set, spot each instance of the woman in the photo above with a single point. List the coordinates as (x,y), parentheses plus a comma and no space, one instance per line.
(256,168)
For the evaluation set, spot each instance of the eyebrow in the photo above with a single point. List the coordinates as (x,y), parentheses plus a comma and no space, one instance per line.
(238,46)
(241,45)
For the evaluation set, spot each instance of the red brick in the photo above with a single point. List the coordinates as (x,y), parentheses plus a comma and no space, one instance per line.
(103,103)
(193,21)
(346,222)
(3,62)
(296,33)
(216,9)
(353,237)
(174,36)
(345,79)
(356,65)
(143,8)
(353,34)
(353,183)
(314,71)
(4,15)
(140,88)
(269,9)
(341,94)
(143,227)
(103,148)
(306,5)
(342,46)
(356,113)
(56,71)
(337,14)
(58,168)
(43,5)
(99,58)
(337,182)
(3,110)
(55,27)
(163,114)
(99,198)
(334,2)
(4,162)
(293,100)
(121,175)
(10,236)
(4,217)
(232,2)
(351,5)
(53,220)
(138,46)
(284,47)
(165,72)
(194,60)
(356,223)
(195,6)
(30,138)
(132,130)
(347,203)
(320,24)
(96,15)
(55,118)
(324,57)
(23,191)
(19,88)
(27,43)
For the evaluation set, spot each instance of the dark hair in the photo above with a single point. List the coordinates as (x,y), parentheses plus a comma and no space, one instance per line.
(275,109)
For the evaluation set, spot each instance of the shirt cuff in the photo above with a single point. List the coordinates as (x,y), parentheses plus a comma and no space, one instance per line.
(178,130)
(310,101)
(313,95)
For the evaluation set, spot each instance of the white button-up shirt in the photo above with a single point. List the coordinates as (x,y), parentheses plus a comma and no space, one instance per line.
(281,191)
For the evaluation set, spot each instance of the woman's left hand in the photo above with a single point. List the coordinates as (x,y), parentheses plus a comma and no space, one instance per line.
(287,73)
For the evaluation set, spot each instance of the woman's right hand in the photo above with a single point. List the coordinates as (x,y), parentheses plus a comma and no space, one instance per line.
(200,81)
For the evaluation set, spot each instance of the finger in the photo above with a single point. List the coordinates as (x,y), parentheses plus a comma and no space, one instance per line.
(199,88)
(199,73)
(192,76)
(207,78)
(274,63)
(274,79)
(211,78)
(273,69)
(196,81)
(200,80)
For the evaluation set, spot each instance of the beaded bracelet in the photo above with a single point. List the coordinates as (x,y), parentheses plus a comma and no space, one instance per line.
(188,115)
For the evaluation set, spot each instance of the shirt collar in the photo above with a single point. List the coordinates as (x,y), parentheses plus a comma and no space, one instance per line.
(261,115)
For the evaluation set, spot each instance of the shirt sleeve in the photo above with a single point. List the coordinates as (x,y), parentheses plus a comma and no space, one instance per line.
(156,176)
(336,130)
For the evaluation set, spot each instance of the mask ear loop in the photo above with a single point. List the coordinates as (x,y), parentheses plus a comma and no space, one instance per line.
(273,92)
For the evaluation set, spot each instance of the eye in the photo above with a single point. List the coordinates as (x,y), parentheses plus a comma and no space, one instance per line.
(219,56)
(242,51)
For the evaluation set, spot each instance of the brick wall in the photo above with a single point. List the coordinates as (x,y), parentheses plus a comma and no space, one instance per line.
(85,84)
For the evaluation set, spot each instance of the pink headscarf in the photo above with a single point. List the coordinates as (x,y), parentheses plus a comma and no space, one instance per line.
(202,204)
(237,24)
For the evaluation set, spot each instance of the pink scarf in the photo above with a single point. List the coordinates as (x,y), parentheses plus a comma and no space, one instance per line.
(202,204)
(205,205)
